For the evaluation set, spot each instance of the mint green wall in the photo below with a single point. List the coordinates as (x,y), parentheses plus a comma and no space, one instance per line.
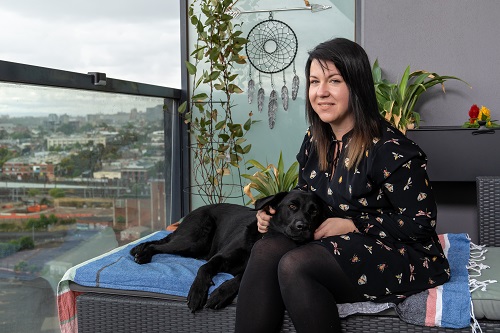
(310,29)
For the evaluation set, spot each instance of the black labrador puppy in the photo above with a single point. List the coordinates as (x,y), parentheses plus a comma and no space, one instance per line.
(223,234)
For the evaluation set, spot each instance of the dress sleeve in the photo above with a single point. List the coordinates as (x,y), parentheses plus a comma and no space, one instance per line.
(398,170)
(302,158)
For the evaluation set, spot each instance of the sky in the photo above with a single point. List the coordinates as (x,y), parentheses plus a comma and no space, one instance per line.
(127,40)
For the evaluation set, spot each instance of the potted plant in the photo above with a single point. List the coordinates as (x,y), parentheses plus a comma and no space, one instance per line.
(396,101)
(270,179)
(218,141)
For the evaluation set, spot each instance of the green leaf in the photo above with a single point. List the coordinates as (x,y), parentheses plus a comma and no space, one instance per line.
(232,88)
(247,124)
(404,81)
(224,137)
(246,149)
(256,164)
(214,75)
(199,97)
(240,141)
(238,149)
(376,72)
(214,54)
(202,140)
(220,125)
(191,68)
(182,107)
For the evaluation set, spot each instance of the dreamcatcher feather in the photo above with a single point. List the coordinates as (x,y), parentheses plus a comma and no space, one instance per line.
(295,84)
(260,96)
(284,94)
(260,99)
(284,97)
(273,107)
(271,48)
(251,90)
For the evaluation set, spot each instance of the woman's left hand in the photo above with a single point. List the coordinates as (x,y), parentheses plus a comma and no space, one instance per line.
(334,226)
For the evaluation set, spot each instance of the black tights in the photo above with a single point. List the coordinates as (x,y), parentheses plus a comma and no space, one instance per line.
(306,280)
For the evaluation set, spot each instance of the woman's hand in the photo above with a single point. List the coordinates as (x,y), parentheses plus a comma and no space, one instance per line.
(263,219)
(334,226)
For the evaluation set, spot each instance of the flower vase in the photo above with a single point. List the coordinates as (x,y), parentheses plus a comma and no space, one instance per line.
(482,125)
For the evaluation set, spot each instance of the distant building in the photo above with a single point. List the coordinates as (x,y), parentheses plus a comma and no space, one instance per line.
(108,174)
(154,113)
(7,127)
(68,141)
(137,172)
(157,136)
(27,167)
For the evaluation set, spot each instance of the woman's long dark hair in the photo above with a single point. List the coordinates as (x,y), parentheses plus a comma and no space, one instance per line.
(352,62)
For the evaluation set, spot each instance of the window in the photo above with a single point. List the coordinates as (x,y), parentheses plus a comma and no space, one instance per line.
(83,171)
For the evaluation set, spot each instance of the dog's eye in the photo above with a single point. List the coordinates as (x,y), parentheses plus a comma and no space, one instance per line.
(292,207)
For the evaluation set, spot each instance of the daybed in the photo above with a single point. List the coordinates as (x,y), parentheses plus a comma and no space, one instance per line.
(106,309)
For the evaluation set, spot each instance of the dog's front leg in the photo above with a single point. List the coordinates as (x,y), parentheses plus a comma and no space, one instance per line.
(198,293)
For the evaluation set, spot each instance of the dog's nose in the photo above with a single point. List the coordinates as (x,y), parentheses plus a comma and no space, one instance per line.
(301,225)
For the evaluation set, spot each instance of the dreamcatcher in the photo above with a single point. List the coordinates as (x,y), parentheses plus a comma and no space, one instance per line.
(271,48)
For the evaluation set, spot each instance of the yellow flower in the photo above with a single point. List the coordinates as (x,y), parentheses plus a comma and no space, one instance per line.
(484,113)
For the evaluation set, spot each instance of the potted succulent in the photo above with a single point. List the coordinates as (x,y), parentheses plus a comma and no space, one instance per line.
(396,101)
(270,179)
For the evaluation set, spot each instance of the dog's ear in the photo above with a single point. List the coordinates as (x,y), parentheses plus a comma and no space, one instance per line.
(272,200)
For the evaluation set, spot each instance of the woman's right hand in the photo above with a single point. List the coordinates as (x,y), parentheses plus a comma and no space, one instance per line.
(264,218)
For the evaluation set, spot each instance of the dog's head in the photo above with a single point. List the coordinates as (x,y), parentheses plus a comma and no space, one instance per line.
(298,214)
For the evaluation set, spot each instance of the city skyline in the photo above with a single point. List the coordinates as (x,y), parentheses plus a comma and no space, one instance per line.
(25,100)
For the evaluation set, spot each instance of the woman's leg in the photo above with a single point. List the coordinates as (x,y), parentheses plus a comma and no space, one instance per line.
(312,283)
(260,307)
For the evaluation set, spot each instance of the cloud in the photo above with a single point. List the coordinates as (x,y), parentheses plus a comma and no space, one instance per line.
(128,40)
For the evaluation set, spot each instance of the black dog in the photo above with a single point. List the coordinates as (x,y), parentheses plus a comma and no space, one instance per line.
(223,234)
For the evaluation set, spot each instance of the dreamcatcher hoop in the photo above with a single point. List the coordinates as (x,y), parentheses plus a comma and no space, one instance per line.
(272,46)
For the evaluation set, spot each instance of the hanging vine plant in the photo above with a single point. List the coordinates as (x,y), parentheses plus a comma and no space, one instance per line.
(218,142)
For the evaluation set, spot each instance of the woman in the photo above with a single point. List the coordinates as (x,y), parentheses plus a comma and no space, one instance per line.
(380,243)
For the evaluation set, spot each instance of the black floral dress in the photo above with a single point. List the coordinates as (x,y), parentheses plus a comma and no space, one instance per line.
(396,252)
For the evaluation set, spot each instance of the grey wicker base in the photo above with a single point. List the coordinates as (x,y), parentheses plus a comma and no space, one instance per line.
(105,313)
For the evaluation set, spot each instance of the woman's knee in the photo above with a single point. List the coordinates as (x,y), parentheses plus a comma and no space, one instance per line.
(291,265)
(301,262)
(269,250)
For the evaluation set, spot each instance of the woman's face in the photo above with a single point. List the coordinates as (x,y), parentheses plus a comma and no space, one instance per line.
(329,95)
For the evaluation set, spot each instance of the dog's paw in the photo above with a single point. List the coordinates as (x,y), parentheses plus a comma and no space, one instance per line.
(223,295)
(197,296)
(138,249)
(218,301)
(142,255)
(143,259)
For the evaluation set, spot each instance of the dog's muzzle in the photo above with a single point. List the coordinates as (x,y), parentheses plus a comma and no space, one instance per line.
(299,231)
(301,225)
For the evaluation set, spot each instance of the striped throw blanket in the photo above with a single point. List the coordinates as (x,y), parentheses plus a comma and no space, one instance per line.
(448,305)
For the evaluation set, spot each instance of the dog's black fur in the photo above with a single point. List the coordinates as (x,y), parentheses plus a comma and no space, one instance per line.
(223,234)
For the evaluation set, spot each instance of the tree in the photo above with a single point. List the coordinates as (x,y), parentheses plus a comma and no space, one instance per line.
(56,193)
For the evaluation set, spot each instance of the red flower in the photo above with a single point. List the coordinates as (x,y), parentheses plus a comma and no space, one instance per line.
(474,111)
